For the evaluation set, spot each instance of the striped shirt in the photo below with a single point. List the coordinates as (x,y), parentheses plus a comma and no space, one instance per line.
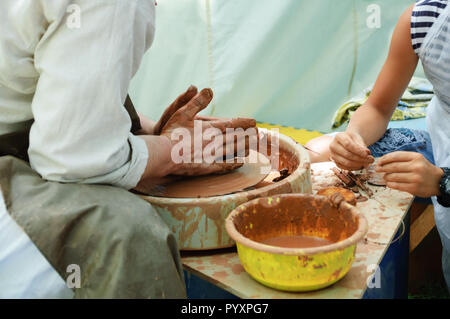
(424,14)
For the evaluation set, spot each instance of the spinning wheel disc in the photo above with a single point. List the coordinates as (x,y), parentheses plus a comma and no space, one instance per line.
(247,176)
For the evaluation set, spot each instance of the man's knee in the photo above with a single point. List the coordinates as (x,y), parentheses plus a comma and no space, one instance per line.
(132,234)
(130,217)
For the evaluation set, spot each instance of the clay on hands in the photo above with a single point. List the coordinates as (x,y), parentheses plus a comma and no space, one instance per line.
(186,97)
(221,123)
(181,101)
(233,148)
(185,116)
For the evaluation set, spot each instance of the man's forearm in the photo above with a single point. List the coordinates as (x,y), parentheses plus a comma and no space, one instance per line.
(369,123)
(159,162)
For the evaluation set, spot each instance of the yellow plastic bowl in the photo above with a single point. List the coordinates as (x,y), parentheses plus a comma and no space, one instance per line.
(295,269)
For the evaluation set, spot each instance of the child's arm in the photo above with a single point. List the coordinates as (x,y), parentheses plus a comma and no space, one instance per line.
(369,123)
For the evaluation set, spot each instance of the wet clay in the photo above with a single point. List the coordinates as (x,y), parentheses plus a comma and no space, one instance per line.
(375,178)
(309,216)
(362,199)
(348,195)
(284,173)
(247,176)
(355,182)
(296,241)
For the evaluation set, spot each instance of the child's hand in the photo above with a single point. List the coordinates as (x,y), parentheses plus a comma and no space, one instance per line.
(349,151)
(410,172)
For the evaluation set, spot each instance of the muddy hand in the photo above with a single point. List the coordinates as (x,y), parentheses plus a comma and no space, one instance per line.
(241,134)
(184,120)
(181,101)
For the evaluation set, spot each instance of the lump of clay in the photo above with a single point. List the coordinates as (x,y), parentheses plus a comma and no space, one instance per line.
(283,174)
(336,193)
(374,178)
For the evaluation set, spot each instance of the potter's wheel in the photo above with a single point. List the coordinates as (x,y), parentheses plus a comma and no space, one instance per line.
(199,223)
(247,176)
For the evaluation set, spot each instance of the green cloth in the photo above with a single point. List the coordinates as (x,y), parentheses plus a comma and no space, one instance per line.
(412,104)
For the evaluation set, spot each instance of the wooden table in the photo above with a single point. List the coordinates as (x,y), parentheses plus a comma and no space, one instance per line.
(384,213)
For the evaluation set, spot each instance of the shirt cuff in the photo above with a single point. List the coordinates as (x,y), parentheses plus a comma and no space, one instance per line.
(136,165)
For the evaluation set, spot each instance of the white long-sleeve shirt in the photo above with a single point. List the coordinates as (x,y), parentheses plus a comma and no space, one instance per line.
(67,64)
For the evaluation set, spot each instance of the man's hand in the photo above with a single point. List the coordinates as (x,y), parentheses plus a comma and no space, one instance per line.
(410,172)
(150,127)
(185,117)
(349,151)
(181,101)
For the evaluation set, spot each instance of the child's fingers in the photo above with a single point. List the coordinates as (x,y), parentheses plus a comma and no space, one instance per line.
(394,167)
(339,150)
(396,157)
(347,164)
(348,143)
(399,178)
(404,187)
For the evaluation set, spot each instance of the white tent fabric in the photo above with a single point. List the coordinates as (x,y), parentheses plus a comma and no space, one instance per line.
(288,62)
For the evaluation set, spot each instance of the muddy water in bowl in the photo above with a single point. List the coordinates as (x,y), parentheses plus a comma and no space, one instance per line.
(296,242)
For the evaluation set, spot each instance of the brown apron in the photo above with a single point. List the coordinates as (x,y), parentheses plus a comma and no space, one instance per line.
(122,246)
